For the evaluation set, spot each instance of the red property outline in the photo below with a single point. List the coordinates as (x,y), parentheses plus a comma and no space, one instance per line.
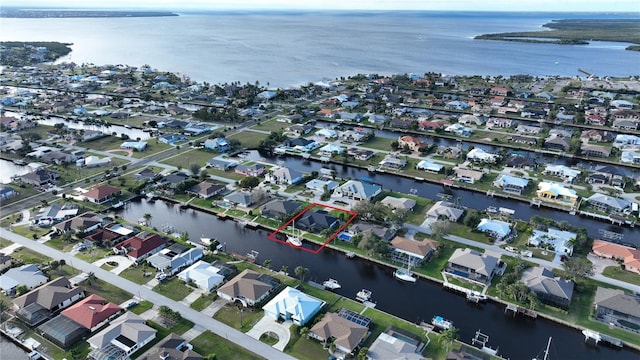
(272,236)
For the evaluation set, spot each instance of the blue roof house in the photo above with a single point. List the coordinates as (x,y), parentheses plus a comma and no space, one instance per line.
(495,228)
(172,139)
(79,111)
(292,304)
(217,144)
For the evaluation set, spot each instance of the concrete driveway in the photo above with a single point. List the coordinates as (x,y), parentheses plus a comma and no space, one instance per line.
(123,263)
(268,324)
(599,264)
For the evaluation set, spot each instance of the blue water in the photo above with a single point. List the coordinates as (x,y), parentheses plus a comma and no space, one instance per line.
(293,48)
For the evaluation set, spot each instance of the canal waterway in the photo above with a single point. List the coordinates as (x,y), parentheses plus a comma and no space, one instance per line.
(118,130)
(9,169)
(413,302)
(470,199)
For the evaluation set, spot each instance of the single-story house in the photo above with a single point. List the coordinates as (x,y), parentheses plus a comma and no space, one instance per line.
(172,138)
(345,334)
(62,331)
(399,203)
(321,186)
(217,144)
(280,209)
(205,276)
(172,347)
(141,246)
(123,337)
(134,145)
(358,190)
(102,193)
(608,204)
(511,184)
(250,170)
(446,210)
(560,241)
(472,265)
(84,223)
(249,288)
(629,256)
(27,275)
(395,343)
(317,221)
(292,304)
(479,155)
(391,161)
(92,312)
(550,289)
(240,198)
(174,258)
(497,229)
(429,166)
(38,304)
(564,172)
(383,232)
(615,307)
(467,175)
(221,164)
(206,189)
(556,193)
(284,175)
(39,177)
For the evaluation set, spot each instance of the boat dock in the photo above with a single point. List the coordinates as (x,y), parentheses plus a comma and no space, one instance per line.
(597,338)
(514,309)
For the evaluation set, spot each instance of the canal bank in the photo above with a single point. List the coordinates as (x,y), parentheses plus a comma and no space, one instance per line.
(413,302)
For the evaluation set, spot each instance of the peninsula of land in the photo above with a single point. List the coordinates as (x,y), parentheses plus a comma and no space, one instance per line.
(577,32)
(24,53)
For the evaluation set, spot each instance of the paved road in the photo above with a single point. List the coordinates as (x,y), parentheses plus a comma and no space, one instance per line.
(548,264)
(188,313)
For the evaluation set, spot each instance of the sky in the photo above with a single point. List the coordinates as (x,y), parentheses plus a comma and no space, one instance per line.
(472,5)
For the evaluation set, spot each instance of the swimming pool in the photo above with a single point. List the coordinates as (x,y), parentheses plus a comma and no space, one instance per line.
(344,236)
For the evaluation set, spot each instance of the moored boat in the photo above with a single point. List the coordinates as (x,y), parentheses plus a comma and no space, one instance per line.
(363,295)
(441,323)
(404,275)
(332,284)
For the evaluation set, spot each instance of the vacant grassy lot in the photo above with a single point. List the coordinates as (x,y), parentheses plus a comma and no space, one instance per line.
(108,291)
(248,139)
(379,143)
(203,301)
(271,125)
(209,343)
(192,156)
(141,307)
(137,274)
(29,256)
(174,289)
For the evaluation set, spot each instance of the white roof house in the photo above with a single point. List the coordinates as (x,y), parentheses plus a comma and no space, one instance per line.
(28,275)
(124,336)
(562,171)
(496,228)
(204,275)
(479,155)
(292,304)
(560,240)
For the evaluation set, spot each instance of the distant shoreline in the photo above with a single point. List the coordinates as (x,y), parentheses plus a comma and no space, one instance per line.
(71,13)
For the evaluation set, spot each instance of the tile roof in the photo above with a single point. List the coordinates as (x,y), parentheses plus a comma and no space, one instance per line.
(91,311)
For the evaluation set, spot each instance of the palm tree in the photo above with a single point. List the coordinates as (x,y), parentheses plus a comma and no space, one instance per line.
(91,278)
(301,272)
(304,331)
(267,263)
(147,218)
(448,336)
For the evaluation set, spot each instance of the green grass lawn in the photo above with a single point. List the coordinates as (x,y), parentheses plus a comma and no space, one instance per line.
(137,274)
(185,158)
(29,256)
(57,243)
(104,143)
(616,272)
(231,315)
(29,231)
(23,193)
(271,125)
(209,343)
(203,301)
(464,232)
(379,143)
(248,139)
(304,348)
(381,320)
(4,242)
(174,289)
(93,254)
(268,339)
(141,307)
(108,291)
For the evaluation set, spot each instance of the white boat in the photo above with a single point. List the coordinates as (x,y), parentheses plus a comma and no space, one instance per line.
(363,295)
(351,255)
(294,239)
(404,275)
(206,240)
(476,296)
(441,323)
(332,284)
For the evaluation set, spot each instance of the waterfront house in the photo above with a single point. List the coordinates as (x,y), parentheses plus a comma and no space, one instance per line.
(459,130)
(391,161)
(617,308)
(320,186)
(203,275)
(629,256)
(361,228)
(92,312)
(221,164)
(472,265)
(445,210)
(357,190)
(331,149)
(40,303)
(608,204)
(550,289)
(429,166)
(126,335)
(172,180)
(360,154)
(104,237)
(62,331)
(141,246)
(559,241)
(6,261)
(556,193)
(280,209)
(217,144)
(429,125)
(511,184)
(410,142)
(626,140)
(39,177)
(327,133)
(284,175)
(301,129)
(466,175)
(595,150)
(520,139)
(83,223)
(205,189)
(625,124)
(565,173)
(292,304)
(240,198)
(248,288)
(196,129)
(630,157)
(528,129)
(412,253)
(49,215)
(497,229)
(396,203)
(479,155)
(174,258)
(395,343)
(557,143)
(102,193)
(345,334)
(317,221)
(29,276)
(301,144)
(134,145)
(172,138)
(250,170)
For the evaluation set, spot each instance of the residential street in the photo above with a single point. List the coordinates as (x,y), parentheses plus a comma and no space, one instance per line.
(142,292)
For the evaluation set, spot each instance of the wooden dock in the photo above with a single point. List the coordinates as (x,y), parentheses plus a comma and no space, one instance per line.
(515,310)
(597,338)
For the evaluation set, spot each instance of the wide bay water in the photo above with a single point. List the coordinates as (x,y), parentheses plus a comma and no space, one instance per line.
(292,48)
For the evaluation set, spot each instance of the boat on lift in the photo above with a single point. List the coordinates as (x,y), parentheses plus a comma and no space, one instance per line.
(363,295)
(332,284)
